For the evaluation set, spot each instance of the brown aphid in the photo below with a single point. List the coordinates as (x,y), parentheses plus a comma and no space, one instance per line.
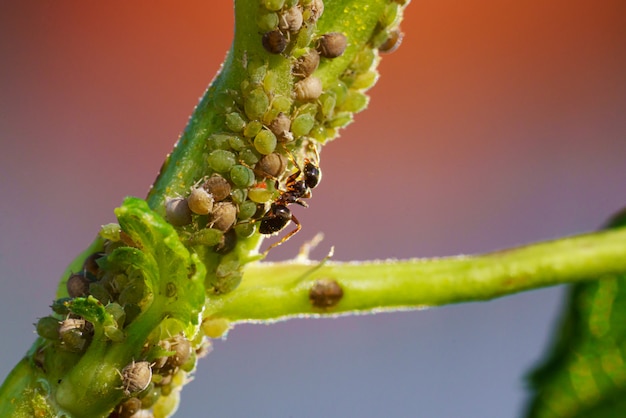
(309,88)
(290,20)
(74,333)
(90,265)
(177,212)
(129,408)
(332,44)
(274,41)
(218,186)
(77,285)
(280,127)
(325,293)
(228,242)
(393,41)
(200,201)
(306,64)
(317,8)
(136,377)
(182,350)
(224,216)
(70,324)
(271,165)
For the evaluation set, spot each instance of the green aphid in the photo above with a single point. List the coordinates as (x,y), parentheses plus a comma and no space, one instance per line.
(260,194)
(265,142)
(248,157)
(225,102)
(218,142)
(110,232)
(340,120)
(245,230)
(207,237)
(390,16)
(252,129)
(237,143)
(363,60)
(302,124)
(239,195)
(59,306)
(355,102)
(306,33)
(221,161)
(328,102)
(364,80)
(379,38)
(273,5)
(235,122)
(257,69)
(246,210)
(267,21)
(48,328)
(99,291)
(340,91)
(132,294)
(282,104)
(242,176)
(256,104)
(271,81)
(116,311)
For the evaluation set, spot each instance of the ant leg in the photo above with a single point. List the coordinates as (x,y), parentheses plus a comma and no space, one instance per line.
(286,237)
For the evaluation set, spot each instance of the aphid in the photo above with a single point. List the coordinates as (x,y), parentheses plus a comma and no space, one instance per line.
(200,201)
(129,408)
(224,216)
(218,186)
(317,8)
(74,333)
(267,21)
(256,104)
(48,327)
(291,19)
(77,285)
(182,350)
(279,215)
(392,43)
(306,64)
(177,212)
(241,176)
(265,142)
(273,5)
(221,160)
(280,126)
(227,243)
(309,88)
(332,44)
(274,41)
(302,124)
(136,377)
(91,268)
(271,165)
(325,293)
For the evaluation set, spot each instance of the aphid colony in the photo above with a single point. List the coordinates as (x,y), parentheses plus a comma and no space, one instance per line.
(164,362)
(268,153)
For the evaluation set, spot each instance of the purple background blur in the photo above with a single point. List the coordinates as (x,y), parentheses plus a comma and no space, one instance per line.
(495,124)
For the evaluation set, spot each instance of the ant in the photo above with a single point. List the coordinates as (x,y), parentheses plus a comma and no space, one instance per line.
(279,215)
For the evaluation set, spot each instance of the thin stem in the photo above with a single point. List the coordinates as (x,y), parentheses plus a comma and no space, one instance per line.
(272,291)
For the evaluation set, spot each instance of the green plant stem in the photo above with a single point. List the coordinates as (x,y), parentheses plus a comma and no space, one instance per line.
(272,291)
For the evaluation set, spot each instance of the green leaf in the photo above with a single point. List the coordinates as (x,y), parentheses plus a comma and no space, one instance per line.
(584,375)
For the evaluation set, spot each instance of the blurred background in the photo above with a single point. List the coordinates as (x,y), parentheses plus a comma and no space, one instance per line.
(495,124)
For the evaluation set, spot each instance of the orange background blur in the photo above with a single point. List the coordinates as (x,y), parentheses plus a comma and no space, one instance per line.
(496,123)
